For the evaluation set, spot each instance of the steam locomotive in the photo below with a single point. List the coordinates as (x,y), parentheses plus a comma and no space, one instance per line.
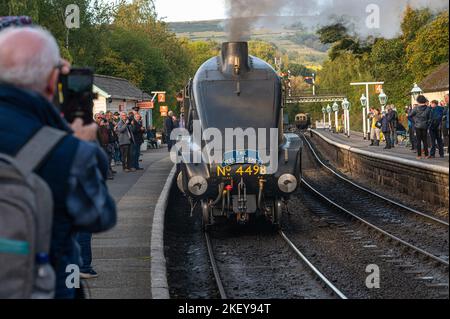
(235,92)
(303,121)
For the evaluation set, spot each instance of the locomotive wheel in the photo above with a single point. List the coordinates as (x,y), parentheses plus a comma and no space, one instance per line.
(206,216)
(276,213)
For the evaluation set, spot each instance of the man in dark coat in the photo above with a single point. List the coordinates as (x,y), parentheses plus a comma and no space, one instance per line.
(422,119)
(437,113)
(168,128)
(76,169)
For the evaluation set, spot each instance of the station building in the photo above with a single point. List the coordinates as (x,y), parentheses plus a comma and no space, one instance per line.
(436,85)
(119,95)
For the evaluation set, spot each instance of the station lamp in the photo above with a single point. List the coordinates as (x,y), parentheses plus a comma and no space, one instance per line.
(416,91)
(329,116)
(363,100)
(346,104)
(346,107)
(383,99)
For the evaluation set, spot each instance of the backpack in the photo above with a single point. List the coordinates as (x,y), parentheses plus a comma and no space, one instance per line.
(26,212)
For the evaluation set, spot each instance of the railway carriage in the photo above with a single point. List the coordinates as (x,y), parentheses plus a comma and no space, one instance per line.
(303,121)
(235,91)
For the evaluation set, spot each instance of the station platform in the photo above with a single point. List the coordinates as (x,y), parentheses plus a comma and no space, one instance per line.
(399,152)
(122,256)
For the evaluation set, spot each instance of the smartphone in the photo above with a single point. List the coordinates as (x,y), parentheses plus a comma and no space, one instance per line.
(76,96)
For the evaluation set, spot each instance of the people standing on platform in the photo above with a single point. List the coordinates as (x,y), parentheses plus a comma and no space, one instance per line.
(124,133)
(176,123)
(168,128)
(151,137)
(412,127)
(138,134)
(103,138)
(422,119)
(376,126)
(112,139)
(393,122)
(446,122)
(386,129)
(437,114)
(117,156)
(132,140)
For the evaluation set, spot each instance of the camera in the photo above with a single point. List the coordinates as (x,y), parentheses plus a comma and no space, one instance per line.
(75,97)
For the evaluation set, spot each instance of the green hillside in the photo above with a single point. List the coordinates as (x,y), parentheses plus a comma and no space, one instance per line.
(301,44)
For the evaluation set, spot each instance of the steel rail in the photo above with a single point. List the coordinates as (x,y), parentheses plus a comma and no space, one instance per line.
(437,220)
(312,267)
(215,269)
(393,237)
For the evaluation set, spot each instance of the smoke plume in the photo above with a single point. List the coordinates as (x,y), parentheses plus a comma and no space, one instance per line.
(245,14)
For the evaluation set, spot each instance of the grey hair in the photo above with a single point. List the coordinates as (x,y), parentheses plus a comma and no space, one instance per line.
(34,71)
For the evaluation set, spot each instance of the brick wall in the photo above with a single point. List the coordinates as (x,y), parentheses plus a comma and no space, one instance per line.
(431,187)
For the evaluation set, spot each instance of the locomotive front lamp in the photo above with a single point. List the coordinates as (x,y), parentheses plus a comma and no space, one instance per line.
(287,183)
(416,91)
(197,185)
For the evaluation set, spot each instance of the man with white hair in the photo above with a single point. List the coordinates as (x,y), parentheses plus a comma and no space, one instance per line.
(76,169)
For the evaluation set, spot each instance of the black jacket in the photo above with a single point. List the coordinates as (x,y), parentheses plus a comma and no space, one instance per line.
(422,116)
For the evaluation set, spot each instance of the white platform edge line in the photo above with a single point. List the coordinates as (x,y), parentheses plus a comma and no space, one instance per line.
(429,167)
(159,285)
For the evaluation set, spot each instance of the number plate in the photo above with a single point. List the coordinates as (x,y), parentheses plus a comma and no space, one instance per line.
(240,170)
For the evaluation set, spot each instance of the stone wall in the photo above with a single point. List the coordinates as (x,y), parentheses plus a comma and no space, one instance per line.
(429,186)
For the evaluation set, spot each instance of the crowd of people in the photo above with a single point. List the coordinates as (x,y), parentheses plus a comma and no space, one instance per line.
(121,135)
(428,127)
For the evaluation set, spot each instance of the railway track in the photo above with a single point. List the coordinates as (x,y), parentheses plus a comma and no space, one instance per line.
(417,231)
(313,277)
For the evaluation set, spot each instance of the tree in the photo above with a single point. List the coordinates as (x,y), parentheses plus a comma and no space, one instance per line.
(430,47)
(263,50)
(412,21)
(389,65)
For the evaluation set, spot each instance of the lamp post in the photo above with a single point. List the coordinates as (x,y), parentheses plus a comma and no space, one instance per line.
(363,101)
(336,120)
(324,111)
(383,100)
(416,91)
(346,108)
(329,116)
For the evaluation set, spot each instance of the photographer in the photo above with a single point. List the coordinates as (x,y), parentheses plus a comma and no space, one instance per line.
(76,169)
(123,130)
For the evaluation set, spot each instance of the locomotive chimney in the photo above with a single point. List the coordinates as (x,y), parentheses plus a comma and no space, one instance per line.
(235,58)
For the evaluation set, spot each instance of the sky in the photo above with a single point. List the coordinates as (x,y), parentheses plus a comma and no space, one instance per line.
(190,10)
